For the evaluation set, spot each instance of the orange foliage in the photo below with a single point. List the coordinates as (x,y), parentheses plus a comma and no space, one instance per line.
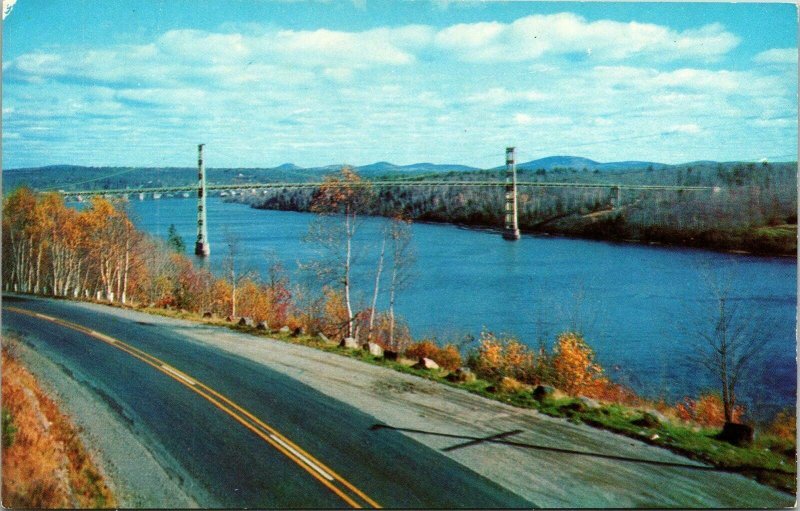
(45,444)
(707,411)
(447,357)
(335,317)
(574,366)
(497,358)
(784,425)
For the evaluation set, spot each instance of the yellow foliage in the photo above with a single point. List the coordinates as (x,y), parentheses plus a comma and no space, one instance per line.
(574,366)
(335,316)
(509,385)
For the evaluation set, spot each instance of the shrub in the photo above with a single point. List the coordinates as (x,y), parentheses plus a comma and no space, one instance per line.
(334,313)
(496,358)
(574,368)
(509,385)
(784,425)
(707,410)
(447,357)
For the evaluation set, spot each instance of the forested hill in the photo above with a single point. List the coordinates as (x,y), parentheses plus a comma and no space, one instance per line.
(753,210)
(73,177)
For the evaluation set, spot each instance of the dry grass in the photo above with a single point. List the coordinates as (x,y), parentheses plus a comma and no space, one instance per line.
(45,465)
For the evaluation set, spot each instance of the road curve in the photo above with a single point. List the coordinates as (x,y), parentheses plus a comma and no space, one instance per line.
(204,398)
(244,434)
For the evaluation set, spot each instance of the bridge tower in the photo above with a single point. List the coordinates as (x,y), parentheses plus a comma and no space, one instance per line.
(511,228)
(201,246)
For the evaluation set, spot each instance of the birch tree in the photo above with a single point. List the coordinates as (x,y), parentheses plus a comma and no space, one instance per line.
(340,201)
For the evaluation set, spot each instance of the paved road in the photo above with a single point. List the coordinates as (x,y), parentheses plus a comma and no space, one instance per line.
(234,420)
(245,435)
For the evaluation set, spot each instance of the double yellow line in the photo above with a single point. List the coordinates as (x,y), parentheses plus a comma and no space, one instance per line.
(324,474)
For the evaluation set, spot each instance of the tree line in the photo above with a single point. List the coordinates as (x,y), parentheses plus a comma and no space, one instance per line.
(753,206)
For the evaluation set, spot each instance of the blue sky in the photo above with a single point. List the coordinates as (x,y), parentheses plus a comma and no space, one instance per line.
(265,82)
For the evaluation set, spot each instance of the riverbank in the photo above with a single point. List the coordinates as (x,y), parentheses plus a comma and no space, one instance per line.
(770,460)
(45,463)
(778,240)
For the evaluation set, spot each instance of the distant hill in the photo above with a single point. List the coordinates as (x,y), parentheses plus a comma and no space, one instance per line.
(386,167)
(577,162)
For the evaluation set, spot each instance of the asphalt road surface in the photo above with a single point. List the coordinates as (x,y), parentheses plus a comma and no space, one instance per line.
(237,421)
(246,435)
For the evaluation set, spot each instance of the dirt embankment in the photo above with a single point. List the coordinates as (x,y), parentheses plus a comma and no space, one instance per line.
(45,464)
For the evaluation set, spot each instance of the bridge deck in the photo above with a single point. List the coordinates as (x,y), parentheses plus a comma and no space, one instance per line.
(387,184)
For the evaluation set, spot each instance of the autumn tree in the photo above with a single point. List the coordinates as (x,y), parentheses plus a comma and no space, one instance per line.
(112,240)
(24,246)
(339,201)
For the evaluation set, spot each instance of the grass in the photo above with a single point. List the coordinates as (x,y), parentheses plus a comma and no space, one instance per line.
(770,460)
(45,464)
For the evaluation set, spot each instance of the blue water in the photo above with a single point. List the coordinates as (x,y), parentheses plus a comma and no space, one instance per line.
(640,307)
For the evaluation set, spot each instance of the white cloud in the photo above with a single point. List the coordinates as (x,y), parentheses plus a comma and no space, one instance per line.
(777,56)
(501,96)
(532,37)
(689,129)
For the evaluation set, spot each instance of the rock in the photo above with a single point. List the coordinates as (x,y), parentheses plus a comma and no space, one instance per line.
(207,315)
(183,311)
(376,350)
(573,407)
(462,375)
(229,319)
(297,332)
(654,437)
(262,325)
(246,322)
(542,392)
(285,330)
(391,355)
(589,402)
(426,363)
(647,420)
(324,338)
(658,415)
(740,435)
(349,343)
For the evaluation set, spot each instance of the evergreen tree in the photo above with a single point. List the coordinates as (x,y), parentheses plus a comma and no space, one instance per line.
(174,240)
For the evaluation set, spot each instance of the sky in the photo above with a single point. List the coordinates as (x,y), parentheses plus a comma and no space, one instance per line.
(261,83)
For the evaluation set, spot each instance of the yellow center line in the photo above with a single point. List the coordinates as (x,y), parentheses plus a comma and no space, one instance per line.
(294,452)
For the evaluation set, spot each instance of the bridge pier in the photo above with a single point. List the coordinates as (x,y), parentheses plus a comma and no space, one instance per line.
(201,246)
(616,197)
(511,227)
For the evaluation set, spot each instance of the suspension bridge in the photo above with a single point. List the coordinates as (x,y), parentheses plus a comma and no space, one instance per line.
(511,185)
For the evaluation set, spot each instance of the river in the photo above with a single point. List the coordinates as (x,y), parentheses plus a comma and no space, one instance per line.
(642,308)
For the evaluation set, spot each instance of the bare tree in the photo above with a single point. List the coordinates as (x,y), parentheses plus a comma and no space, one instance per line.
(376,288)
(729,339)
(232,267)
(403,258)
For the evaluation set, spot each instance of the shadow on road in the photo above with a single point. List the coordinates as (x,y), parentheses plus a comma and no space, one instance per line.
(500,439)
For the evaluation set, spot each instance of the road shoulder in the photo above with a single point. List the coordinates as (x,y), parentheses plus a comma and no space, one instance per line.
(135,477)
